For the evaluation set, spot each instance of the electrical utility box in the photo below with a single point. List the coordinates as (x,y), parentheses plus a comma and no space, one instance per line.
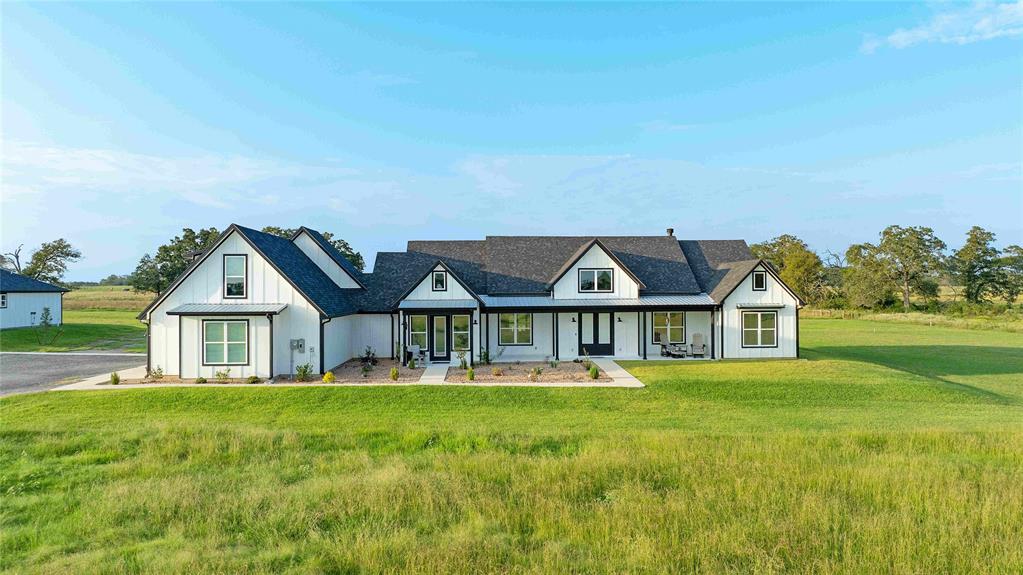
(298,345)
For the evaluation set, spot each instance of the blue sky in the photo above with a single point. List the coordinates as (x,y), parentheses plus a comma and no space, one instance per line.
(123,123)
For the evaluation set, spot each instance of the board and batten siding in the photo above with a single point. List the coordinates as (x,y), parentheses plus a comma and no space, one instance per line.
(258,348)
(322,259)
(745,296)
(623,286)
(424,289)
(264,285)
(20,306)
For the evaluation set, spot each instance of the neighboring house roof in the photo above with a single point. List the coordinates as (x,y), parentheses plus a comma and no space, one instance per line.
(11,282)
(334,254)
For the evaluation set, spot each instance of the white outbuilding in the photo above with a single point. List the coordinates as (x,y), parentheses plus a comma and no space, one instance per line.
(22,300)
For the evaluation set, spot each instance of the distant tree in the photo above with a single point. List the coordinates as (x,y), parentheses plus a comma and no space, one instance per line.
(910,258)
(975,266)
(1010,270)
(49,263)
(156,273)
(11,261)
(115,280)
(342,246)
(799,267)
(864,281)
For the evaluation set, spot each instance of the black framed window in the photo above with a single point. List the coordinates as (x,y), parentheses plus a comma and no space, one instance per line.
(236,268)
(759,329)
(515,329)
(669,327)
(759,281)
(440,281)
(460,326)
(225,342)
(596,280)
(418,332)
(3,300)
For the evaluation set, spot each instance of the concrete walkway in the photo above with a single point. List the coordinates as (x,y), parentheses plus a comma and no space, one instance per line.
(619,376)
(434,373)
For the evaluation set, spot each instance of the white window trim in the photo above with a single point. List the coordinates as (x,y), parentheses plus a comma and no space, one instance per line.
(244,276)
(467,332)
(759,329)
(224,341)
(759,274)
(596,289)
(667,327)
(514,329)
(433,280)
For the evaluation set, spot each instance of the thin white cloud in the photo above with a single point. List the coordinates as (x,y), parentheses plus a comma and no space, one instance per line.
(962,25)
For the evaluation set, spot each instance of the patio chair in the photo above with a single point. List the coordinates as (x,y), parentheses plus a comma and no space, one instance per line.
(418,353)
(699,348)
(673,350)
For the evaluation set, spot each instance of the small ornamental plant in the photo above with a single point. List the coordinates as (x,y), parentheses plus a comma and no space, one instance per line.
(394,374)
(329,377)
(303,372)
(253,379)
(115,379)
(155,373)
(534,374)
(594,372)
(496,371)
(471,374)
(200,380)
(412,363)
(366,368)
(222,375)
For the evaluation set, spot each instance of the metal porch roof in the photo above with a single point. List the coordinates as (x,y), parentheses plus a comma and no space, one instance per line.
(228,309)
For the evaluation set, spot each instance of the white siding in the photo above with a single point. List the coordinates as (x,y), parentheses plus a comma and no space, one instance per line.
(543,340)
(775,294)
(568,286)
(20,306)
(424,290)
(258,342)
(373,330)
(300,320)
(322,259)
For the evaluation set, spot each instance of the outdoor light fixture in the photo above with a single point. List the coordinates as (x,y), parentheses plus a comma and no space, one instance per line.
(619,320)
(573,320)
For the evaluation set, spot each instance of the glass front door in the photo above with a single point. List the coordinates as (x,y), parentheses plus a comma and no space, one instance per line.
(596,335)
(439,349)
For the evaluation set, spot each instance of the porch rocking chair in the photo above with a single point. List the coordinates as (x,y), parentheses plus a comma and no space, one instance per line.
(699,348)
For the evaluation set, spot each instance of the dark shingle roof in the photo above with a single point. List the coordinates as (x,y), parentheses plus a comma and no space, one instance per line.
(334,254)
(719,265)
(14,283)
(307,277)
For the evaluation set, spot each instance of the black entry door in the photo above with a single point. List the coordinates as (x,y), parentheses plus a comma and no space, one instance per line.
(440,340)
(596,333)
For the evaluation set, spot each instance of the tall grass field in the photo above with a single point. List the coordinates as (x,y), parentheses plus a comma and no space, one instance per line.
(890,448)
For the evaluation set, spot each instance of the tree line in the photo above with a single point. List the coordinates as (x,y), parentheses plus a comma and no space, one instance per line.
(905,262)
(154,273)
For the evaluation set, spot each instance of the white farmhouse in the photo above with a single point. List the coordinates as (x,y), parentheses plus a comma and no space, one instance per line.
(22,300)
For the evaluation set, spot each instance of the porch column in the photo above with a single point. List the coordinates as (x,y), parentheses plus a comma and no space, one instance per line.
(557,344)
(639,334)
(401,330)
(712,334)
(644,335)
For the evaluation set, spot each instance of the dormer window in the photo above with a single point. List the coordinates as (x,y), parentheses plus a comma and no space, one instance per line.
(759,281)
(235,269)
(596,280)
(440,281)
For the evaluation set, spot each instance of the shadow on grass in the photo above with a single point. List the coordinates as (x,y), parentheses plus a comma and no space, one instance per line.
(937,362)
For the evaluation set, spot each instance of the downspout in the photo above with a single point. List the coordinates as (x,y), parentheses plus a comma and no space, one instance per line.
(391,317)
(270,318)
(797,332)
(149,345)
(323,322)
(712,334)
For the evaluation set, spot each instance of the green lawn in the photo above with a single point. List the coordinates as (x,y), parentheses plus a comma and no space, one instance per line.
(891,448)
(89,329)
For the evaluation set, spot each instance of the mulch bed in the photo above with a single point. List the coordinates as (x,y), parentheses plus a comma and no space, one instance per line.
(566,371)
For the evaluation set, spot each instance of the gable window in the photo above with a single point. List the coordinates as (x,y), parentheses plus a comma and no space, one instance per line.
(235,269)
(417,331)
(596,280)
(225,342)
(759,281)
(669,327)
(440,281)
(460,332)
(515,329)
(3,300)
(759,329)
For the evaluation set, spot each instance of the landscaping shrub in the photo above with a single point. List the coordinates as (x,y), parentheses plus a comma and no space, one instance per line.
(155,373)
(496,371)
(594,372)
(394,374)
(200,380)
(303,372)
(253,379)
(471,374)
(534,374)
(412,363)
(222,375)
(115,379)
(329,377)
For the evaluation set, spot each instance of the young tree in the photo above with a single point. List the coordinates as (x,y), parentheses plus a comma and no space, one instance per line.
(1010,271)
(975,266)
(341,245)
(49,263)
(909,257)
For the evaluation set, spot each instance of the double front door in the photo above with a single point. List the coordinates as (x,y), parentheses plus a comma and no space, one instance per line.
(596,333)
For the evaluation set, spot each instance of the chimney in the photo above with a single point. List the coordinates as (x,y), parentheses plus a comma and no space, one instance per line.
(671,232)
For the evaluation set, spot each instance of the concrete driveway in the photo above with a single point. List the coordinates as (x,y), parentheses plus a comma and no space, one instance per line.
(29,372)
